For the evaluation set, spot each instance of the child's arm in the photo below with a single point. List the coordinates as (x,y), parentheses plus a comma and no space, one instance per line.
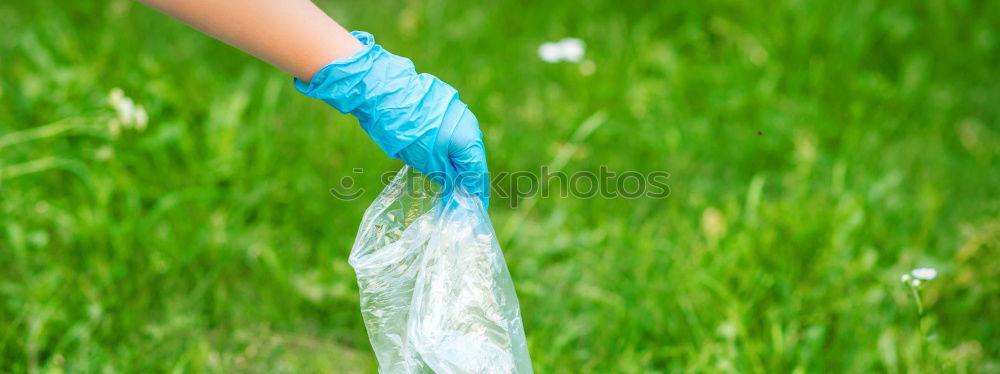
(294,35)
(413,117)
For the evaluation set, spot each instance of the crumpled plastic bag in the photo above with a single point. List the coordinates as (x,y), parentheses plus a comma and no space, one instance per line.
(436,295)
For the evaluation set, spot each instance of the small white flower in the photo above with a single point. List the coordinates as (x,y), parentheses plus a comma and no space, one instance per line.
(130,114)
(550,52)
(915,283)
(567,49)
(572,49)
(905,278)
(924,273)
(126,111)
(115,95)
(141,118)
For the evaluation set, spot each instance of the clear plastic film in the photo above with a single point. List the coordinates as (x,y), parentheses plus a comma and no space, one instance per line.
(436,295)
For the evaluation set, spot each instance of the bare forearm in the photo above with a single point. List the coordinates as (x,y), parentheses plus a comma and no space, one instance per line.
(294,35)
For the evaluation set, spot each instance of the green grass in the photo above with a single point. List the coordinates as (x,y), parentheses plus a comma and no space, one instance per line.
(208,242)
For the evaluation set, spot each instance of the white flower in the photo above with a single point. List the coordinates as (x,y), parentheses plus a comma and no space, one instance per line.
(572,49)
(915,283)
(550,52)
(115,95)
(141,118)
(126,111)
(924,273)
(905,278)
(130,114)
(567,49)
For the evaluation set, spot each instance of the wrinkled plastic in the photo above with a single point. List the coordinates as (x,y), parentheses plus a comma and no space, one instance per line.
(436,295)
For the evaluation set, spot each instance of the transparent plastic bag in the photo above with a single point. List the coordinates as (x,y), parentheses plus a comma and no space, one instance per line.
(436,295)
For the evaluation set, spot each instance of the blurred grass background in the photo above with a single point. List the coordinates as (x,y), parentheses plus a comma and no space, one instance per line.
(207,240)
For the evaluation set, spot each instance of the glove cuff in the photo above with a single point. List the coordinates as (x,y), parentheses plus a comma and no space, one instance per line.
(381,89)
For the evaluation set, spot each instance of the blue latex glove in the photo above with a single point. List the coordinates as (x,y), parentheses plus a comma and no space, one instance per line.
(413,117)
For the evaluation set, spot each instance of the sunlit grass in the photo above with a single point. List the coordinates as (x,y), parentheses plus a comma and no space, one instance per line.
(207,239)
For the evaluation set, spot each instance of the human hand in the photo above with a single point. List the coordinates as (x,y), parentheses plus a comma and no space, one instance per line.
(414,117)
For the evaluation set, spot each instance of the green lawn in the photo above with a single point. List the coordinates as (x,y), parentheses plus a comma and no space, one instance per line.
(208,241)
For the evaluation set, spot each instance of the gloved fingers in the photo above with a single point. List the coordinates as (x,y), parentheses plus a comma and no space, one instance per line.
(472,173)
(421,157)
